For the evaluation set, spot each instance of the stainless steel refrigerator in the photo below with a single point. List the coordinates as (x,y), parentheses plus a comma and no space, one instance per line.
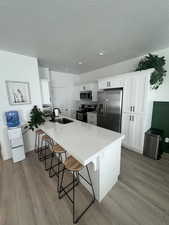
(109,110)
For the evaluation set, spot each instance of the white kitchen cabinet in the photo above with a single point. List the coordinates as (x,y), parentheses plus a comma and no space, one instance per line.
(45,91)
(104,83)
(126,128)
(112,82)
(134,94)
(86,87)
(133,128)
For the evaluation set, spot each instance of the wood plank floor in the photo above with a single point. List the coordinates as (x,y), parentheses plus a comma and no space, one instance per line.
(141,197)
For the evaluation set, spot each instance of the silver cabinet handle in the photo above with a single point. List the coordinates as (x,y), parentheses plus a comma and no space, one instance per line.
(131,108)
(132,118)
(108,83)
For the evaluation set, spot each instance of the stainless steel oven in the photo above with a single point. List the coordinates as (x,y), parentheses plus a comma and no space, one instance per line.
(81,115)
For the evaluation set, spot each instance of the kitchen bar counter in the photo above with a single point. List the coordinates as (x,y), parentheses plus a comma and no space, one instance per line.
(96,146)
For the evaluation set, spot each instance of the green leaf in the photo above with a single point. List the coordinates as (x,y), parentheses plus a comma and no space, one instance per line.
(156,62)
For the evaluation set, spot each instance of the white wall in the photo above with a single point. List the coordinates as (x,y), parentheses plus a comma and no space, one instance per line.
(15,67)
(162,94)
(64,91)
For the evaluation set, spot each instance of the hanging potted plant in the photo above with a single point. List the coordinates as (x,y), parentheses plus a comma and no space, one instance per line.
(36,118)
(156,62)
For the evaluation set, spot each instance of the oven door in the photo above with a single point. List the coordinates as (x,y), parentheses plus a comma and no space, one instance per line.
(82,116)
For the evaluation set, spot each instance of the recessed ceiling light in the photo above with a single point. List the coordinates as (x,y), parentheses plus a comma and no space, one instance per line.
(101,53)
(80,63)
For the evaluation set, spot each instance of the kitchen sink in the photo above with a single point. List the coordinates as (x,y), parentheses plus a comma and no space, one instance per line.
(63,120)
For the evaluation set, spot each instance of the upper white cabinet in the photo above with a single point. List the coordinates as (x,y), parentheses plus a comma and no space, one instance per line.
(112,82)
(45,91)
(134,94)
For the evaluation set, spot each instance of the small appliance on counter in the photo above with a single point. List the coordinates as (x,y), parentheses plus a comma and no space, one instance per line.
(55,114)
(12,118)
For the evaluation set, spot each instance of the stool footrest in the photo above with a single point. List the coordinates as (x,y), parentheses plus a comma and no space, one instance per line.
(52,169)
(66,192)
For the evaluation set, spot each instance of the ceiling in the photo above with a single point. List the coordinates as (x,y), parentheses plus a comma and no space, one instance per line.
(62,33)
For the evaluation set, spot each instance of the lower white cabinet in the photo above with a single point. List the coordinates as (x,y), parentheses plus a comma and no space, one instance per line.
(92,118)
(133,128)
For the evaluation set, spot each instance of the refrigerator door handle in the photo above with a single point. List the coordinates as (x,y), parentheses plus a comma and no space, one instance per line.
(104,108)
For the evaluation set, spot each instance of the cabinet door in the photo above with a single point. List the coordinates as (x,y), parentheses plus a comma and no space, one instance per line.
(127,95)
(132,128)
(104,83)
(83,87)
(134,94)
(126,129)
(45,91)
(137,132)
(139,90)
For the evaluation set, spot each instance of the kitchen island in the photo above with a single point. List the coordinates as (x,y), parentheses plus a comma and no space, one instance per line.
(98,147)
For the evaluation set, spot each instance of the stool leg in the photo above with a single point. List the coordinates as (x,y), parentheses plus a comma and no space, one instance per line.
(74,220)
(40,151)
(58,171)
(51,165)
(35,149)
(46,146)
(61,183)
(38,139)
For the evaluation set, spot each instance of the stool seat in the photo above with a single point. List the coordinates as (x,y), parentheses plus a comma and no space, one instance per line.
(46,138)
(72,164)
(39,132)
(57,149)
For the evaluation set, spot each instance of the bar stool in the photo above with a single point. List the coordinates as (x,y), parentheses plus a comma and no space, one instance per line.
(46,143)
(57,151)
(74,166)
(38,134)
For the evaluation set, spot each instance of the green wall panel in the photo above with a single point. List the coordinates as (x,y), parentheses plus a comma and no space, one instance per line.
(160,119)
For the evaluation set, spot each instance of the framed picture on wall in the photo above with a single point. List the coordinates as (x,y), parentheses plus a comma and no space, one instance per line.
(18,92)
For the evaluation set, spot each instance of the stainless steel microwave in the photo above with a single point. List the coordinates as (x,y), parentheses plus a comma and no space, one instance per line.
(87,95)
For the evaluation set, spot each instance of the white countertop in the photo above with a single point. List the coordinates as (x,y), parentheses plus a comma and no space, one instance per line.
(82,140)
